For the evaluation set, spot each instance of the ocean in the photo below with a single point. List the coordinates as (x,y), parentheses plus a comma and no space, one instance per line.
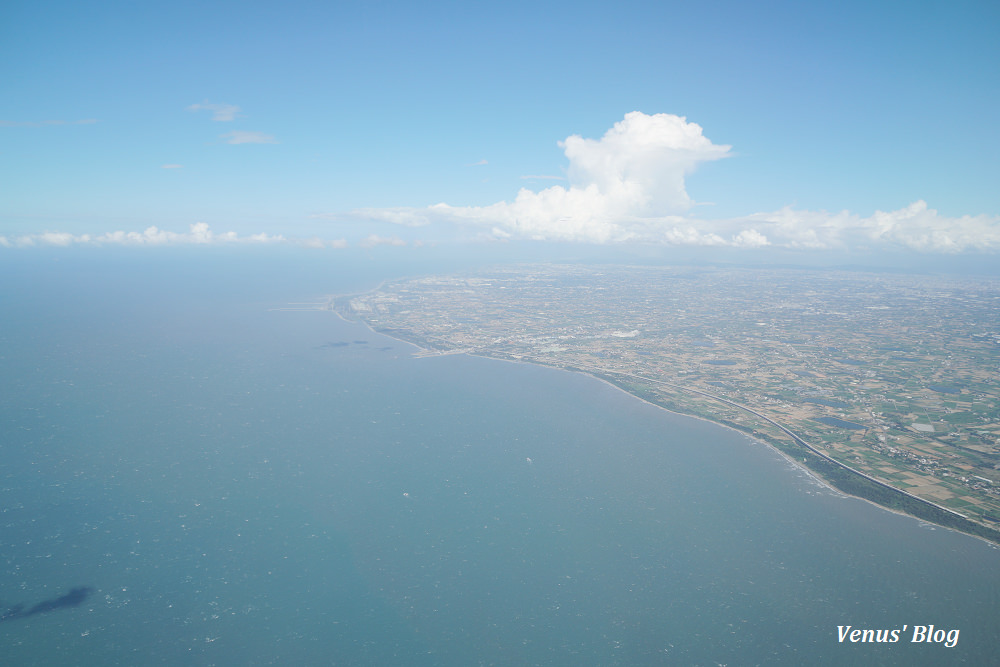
(225,481)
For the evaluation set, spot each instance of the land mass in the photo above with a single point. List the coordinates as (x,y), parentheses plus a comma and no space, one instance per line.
(885,385)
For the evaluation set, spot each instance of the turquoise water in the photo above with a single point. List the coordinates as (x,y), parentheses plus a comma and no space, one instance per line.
(244,486)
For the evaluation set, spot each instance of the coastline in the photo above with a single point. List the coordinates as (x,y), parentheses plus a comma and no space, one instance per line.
(991,539)
(785,455)
(813,474)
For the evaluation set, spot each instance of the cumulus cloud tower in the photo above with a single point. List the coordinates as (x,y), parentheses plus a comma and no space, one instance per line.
(642,162)
(621,187)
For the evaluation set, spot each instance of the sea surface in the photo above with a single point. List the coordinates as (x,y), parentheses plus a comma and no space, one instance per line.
(228,482)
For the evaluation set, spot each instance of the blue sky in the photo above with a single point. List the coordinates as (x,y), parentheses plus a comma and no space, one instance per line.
(801,126)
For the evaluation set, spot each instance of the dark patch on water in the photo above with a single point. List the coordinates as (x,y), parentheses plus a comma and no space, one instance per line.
(74,598)
(342,343)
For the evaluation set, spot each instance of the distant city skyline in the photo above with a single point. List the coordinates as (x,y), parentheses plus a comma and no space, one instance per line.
(853,127)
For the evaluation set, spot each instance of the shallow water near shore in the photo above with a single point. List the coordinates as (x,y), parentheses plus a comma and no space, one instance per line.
(242,485)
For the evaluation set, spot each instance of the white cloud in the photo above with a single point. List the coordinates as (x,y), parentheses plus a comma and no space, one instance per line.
(478,164)
(406,217)
(750,238)
(635,172)
(914,227)
(265,238)
(640,164)
(626,187)
(198,233)
(629,187)
(243,137)
(62,238)
(171,166)
(317,242)
(375,240)
(220,112)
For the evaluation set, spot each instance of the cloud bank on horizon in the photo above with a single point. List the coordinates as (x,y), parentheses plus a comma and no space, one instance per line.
(198,234)
(629,187)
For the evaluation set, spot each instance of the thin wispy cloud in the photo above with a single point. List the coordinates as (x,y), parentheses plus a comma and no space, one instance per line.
(318,243)
(244,137)
(171,166)
(478,164)
(46,123)
(374,240)
(404,216)
(220,112)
